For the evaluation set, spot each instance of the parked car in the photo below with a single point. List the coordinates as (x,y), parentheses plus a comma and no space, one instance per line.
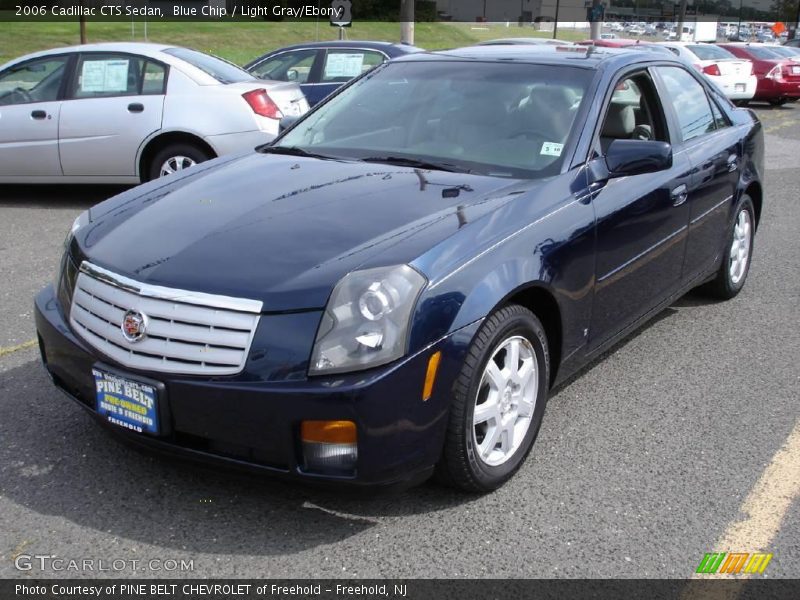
(778,77)
(794,43)
(733,75)
(789,52)
(393,286)
(125,112)
(322,67)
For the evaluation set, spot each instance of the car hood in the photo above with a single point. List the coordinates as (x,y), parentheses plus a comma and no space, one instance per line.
(281,229)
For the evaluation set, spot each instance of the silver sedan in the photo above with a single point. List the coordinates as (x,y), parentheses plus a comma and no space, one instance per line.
(130,112)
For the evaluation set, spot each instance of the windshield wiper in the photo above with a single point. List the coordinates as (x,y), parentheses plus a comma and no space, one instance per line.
(404,161)
(292,151)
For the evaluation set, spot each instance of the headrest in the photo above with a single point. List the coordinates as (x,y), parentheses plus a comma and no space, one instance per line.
(620,121)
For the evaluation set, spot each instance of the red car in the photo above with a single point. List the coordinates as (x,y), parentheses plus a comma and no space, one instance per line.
(778,78)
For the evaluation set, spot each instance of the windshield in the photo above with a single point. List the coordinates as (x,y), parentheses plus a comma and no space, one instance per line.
(491,118)
(709,52)
(219,69)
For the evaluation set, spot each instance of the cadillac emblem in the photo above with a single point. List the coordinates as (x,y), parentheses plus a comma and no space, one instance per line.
(134,326)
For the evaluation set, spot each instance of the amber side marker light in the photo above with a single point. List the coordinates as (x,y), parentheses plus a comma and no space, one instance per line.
(430,375)
(329,447)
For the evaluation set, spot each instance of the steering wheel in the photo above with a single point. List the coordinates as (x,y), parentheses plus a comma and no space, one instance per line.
(26,95)
(642,132)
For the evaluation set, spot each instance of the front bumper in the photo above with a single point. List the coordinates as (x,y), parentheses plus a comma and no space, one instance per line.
(255,424)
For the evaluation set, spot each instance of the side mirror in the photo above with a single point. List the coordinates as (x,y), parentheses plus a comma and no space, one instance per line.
(286,122)
(635,157)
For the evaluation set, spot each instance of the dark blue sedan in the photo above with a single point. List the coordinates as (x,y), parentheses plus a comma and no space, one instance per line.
(392,288)
(322,67)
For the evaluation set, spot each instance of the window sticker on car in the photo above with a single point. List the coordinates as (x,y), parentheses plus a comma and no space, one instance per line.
(104,76)
(344,65)
(551,149)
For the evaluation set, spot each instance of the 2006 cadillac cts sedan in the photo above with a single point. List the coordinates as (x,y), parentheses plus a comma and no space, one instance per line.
(392,287)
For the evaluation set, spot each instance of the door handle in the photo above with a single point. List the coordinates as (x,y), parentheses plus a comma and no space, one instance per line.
(733,163)
(679,195)
(38,114)
(135,107)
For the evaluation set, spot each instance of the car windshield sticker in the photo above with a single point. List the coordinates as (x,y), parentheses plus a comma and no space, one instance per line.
(343,65)
(104,76)
(551,149)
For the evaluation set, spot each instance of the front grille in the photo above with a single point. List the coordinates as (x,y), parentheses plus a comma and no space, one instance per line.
(186,332)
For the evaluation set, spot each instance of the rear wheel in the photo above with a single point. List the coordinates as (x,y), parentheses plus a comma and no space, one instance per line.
(735,265)
(778,101)
(175,158)
(741,103)
(498,404)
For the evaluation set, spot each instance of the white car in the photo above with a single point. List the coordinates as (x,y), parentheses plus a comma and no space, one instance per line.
(130,112)
(733,75)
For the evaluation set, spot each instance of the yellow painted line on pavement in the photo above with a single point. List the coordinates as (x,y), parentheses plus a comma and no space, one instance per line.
(18,347)
(765,506)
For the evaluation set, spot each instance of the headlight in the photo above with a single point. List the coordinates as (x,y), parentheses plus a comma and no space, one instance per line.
(81,220)
(367,319)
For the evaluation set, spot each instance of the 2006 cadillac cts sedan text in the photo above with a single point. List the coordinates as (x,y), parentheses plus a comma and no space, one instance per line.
(392,287)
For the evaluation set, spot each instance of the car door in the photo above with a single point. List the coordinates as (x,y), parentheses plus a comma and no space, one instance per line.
(114,102)
(340,65)
(713,149)
(290,65)
(641,220)
(30,104)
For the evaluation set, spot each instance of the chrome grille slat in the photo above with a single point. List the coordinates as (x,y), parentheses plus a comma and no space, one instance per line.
(165,309)
(182,336)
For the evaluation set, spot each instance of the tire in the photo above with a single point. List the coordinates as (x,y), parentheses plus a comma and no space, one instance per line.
(178,156)
(465,464)
(778,101)
(741,103)
(729,281)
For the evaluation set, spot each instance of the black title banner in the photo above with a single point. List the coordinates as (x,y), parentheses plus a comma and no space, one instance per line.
(539,11)
(484,589)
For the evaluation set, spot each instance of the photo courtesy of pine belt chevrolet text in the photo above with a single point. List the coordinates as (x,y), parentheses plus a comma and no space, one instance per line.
(389,289)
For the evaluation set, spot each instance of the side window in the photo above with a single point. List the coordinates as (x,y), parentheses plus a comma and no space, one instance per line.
(102,75)
(35,81)
(154,78)
(342,64)
(287,66)
(690,102)
(720,120)
(633,112)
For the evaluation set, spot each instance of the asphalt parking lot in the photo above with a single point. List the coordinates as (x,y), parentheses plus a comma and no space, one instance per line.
(663,450)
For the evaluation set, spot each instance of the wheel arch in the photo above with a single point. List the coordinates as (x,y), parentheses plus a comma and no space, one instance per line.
(540,300)
(162,140)
(756,194)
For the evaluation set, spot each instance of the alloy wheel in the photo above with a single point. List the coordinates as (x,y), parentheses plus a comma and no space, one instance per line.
(505,401)
(740,247)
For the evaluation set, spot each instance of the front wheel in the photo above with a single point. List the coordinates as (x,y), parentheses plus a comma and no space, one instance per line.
(735,266)
(778,101)
(498,402)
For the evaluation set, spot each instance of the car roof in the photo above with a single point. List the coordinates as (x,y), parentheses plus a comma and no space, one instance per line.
(149,50)
(590,57)
(368,44)
(523,40)
(145,49)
